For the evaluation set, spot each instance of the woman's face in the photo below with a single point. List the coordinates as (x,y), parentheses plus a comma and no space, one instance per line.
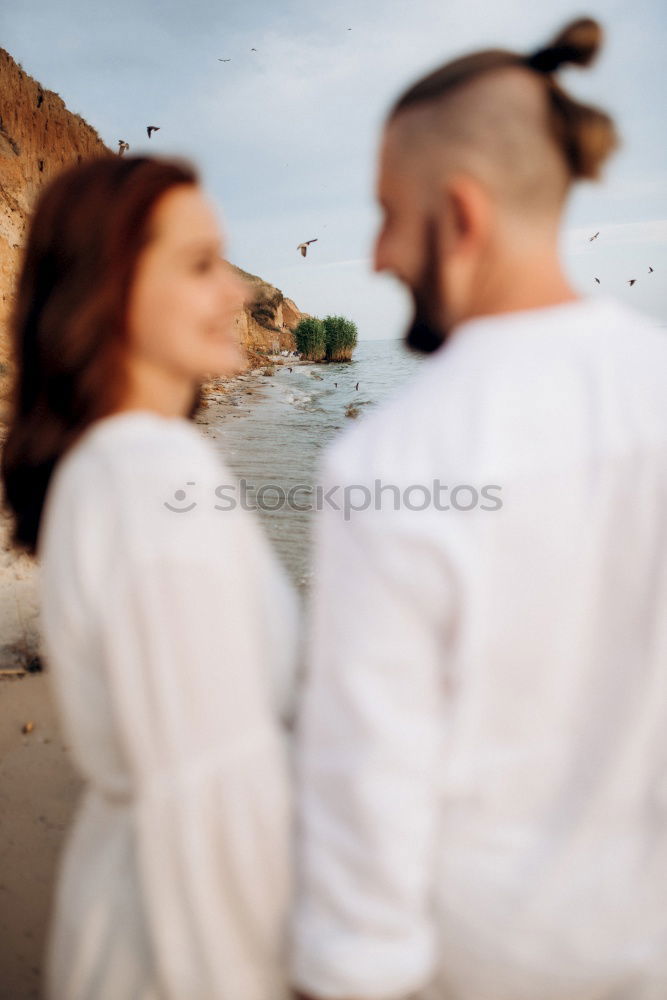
(184,296)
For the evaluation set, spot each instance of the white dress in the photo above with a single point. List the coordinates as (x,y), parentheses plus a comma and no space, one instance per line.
(482,764)
(171,638)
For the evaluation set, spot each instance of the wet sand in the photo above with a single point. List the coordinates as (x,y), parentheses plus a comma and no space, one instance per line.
(38,795)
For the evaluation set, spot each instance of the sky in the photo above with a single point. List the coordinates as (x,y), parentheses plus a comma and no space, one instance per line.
(286,137)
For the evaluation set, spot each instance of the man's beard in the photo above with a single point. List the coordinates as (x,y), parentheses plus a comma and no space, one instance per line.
(426,333)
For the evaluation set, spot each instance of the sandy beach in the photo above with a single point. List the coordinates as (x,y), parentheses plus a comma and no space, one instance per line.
(38,785)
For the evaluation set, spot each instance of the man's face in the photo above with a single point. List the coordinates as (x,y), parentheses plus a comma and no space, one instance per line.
(407,244)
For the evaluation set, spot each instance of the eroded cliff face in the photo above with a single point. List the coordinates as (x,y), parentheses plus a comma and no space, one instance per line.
(266,325)
(38,137)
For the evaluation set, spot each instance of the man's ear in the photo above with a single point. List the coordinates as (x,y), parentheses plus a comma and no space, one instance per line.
(464,213)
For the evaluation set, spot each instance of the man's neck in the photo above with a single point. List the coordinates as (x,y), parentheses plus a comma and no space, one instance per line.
(533,281)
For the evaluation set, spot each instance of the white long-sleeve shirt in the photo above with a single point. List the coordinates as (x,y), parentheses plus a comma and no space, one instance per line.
(170,636)
(482,754)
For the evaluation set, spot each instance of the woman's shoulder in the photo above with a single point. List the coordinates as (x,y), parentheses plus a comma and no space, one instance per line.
(141,432)
(134,446)
(130,473)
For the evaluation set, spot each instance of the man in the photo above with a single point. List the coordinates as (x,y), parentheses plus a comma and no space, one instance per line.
(483,738)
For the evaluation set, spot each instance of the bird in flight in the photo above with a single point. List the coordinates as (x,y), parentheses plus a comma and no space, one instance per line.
(224,60)
(650,270)
(253,50)
(152,128)
(303,247)
(598,280)
(122,146)
(593,237)
(631,282)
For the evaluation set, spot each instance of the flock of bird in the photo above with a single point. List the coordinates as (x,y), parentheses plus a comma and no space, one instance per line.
(303,247)
(123,147)
(631,281)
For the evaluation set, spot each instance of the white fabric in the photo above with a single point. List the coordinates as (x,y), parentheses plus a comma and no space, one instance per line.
(171,638)
(483,740)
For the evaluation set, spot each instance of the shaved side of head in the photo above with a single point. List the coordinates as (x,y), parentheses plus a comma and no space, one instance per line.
(503,118)
(495,128)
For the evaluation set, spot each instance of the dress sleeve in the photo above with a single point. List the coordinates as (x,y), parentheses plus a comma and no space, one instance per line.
(368,750)
(185,668)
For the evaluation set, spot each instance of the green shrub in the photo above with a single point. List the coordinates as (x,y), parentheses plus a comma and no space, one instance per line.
(310,339)
(340,338)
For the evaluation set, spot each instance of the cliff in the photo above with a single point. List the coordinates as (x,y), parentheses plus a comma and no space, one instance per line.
(38,137)
(266,325)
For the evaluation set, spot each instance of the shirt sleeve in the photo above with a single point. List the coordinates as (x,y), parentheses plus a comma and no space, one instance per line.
(186,677)
(369,745)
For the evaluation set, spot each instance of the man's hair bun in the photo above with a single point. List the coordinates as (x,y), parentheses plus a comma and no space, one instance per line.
(578,43)
(584,134)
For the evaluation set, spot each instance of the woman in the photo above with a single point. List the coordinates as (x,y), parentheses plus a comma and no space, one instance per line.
(169,629)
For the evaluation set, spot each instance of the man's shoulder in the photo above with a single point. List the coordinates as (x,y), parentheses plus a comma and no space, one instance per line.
(505,391)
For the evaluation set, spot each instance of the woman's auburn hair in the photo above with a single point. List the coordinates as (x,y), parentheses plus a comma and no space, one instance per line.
(68,324)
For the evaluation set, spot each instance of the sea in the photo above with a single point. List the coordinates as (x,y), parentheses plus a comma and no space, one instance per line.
(273,431)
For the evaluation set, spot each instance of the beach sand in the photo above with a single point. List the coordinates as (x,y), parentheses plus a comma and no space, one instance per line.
(38,795)
(38,785)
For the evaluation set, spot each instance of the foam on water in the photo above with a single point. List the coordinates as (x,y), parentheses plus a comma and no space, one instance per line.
(278,436)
